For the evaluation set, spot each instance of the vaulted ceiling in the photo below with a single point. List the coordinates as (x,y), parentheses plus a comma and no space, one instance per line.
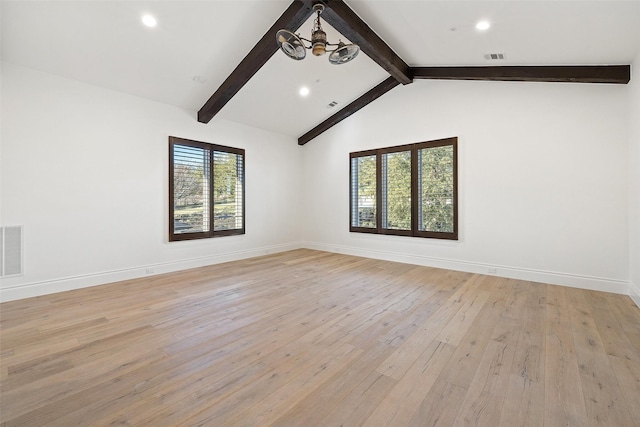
(197,44)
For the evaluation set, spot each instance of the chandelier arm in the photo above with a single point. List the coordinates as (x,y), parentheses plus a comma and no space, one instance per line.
(304,45)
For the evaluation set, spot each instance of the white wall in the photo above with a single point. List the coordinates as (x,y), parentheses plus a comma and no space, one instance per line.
(634,181)
(542,171)
(85,171)
(545,191)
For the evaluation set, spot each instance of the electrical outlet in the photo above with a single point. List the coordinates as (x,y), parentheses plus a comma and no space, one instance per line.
(493,270)
(149,271)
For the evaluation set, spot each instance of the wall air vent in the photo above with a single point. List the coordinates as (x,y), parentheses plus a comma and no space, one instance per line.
(493,56)
(11,251)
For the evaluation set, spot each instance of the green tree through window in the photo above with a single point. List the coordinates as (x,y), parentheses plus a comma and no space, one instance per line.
(396,190)
(206,190)
(413,187)
(436,189)
(363,199)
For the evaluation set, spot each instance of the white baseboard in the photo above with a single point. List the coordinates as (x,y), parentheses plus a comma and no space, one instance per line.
(77,282)
(555,278)
(634,293)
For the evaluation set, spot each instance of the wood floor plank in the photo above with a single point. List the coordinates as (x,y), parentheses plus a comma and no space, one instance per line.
(404,399)
(268,410)
(614,338)
(465,360)
(564,398)
(460,323)
(233,404)
(360,402)
(440,407)
(305,338)
(524,399)
(401,360)
(325,398)
(603,397)
(628,376)
(486,393)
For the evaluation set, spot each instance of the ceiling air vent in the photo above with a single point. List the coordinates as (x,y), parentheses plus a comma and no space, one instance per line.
(493,56)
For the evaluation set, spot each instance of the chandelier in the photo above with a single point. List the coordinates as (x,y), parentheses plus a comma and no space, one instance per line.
(293,46)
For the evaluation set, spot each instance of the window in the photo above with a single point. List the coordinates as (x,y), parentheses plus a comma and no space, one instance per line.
(409,190)
(206,190)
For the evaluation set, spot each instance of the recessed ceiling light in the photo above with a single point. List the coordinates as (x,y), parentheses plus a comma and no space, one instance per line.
(304,91)
(483,25)
(149,21)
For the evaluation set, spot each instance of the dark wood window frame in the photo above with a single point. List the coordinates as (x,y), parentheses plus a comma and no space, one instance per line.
(414,231)
(212,148)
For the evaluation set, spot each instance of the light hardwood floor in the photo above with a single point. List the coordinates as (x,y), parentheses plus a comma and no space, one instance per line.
(309,338)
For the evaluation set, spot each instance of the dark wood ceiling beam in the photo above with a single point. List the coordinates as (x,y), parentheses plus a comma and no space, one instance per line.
(620,74)
(356,105)
(295,15)
(346,22)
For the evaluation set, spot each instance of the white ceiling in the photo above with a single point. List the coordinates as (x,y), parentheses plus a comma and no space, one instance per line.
(197,44)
